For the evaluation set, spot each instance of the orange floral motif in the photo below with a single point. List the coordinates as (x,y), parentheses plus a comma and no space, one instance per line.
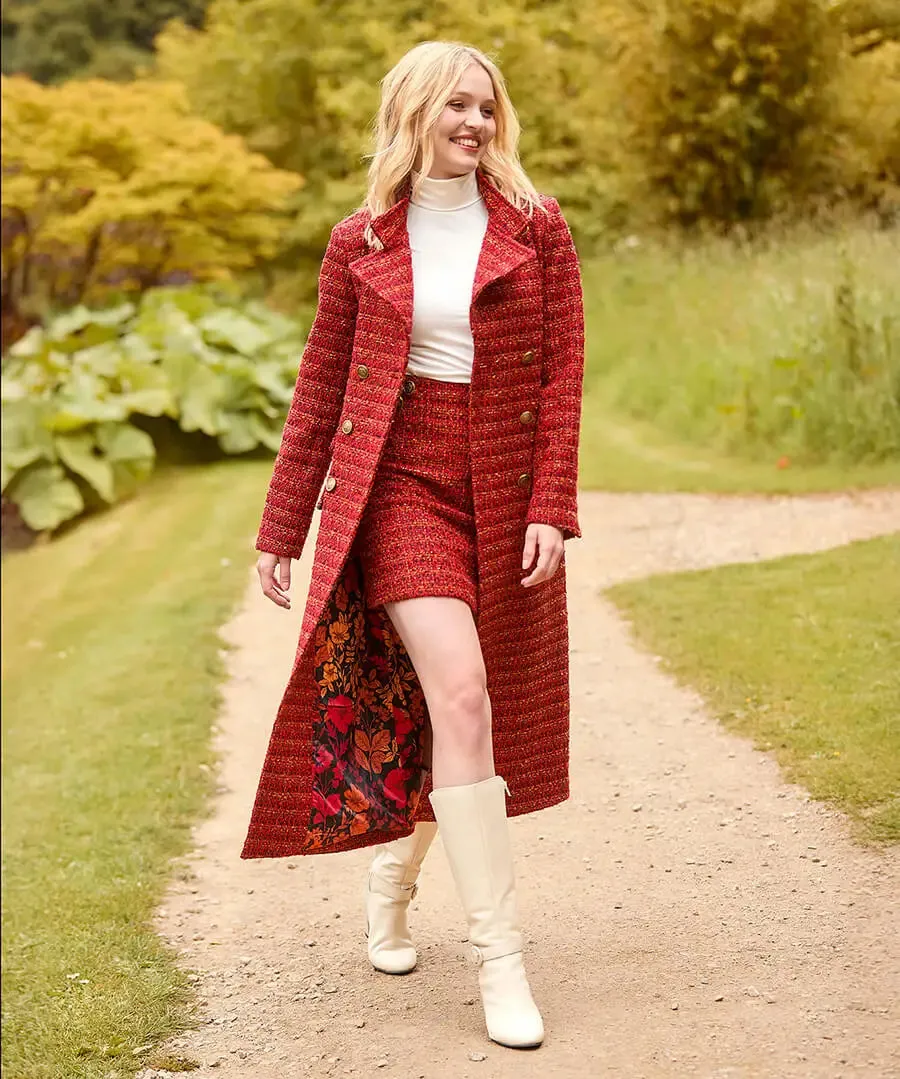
(368,768)
(328,673)
(356,801)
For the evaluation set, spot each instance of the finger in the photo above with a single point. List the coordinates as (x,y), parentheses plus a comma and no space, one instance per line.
(530,548)
(276,597)
(555,559)
(540,570)
(285,573)
(266,575)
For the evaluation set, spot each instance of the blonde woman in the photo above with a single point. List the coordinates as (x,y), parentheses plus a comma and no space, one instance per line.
(435,424)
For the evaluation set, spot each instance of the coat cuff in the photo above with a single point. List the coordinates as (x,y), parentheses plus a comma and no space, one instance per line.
(279,541)
(548,512)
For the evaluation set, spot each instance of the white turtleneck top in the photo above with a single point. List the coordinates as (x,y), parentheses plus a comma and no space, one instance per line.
(446,221)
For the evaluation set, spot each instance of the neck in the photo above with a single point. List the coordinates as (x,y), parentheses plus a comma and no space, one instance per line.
(453,194)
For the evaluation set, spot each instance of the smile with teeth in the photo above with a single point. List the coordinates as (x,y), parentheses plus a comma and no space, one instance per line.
(466,142)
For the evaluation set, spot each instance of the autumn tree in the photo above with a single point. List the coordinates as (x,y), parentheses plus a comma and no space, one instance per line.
(115,188)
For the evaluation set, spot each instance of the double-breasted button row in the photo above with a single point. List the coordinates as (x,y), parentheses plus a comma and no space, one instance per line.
(528,357)
(524,480)
(527,417)
(347,427)
(362,371)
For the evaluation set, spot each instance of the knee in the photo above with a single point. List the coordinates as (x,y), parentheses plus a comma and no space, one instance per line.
(468,708)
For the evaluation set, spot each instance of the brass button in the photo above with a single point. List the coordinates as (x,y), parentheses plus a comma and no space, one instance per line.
(528,357)
(409,386)
(524,479)
(347,427)
(526,417)
(362,371)
(330,483)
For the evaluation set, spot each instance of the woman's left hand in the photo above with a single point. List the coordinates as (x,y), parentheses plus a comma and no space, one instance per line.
(546,543)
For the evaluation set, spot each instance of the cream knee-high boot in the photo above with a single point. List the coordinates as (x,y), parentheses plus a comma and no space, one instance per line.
(475,833)
(390,888)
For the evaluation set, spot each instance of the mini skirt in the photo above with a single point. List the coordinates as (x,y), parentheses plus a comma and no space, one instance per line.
(416,536)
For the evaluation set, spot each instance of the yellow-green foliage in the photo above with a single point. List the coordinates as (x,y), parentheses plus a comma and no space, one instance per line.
(868,120)
(632,110)
(110,186)
(299,79)
(724,102)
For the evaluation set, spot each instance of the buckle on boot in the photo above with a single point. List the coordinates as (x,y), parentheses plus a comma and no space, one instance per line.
(398,892)
(496,951)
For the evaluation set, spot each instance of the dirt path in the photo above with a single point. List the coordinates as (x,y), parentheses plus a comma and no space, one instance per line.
(688,913)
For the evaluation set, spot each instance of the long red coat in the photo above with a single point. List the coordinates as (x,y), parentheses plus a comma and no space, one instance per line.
(347,761)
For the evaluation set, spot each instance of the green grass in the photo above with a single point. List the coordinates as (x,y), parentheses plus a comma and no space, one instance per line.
(802,655)
(787,348)
(111,673)
(623,454)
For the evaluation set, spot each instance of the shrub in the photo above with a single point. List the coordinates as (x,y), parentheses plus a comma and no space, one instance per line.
(723,103)
(116,189)
(74,391)
(867,122)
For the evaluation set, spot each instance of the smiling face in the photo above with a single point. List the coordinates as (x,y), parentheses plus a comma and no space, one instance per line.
(466,126)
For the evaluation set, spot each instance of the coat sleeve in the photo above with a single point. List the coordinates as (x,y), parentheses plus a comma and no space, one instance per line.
(314,413)
(554,498)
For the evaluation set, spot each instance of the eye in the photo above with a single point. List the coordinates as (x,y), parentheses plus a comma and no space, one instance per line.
(456,105)
(488,111)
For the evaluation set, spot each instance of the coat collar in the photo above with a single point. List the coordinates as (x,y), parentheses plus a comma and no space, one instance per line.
(389,271)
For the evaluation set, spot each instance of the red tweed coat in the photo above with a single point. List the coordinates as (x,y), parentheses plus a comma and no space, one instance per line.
(347,760)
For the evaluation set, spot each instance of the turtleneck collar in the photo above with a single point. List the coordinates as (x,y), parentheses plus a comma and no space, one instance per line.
(453,194)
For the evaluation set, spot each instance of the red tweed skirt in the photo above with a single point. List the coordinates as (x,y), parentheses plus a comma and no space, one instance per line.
(417,533)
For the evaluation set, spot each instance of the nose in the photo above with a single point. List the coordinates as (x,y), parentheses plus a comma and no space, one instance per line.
(474,119)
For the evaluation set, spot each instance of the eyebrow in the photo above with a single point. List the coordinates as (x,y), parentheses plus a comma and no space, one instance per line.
(465,93)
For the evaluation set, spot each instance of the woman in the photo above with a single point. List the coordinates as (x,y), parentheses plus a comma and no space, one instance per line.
(439,399)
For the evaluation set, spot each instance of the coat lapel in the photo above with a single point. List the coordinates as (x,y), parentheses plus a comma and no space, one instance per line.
(501,252)
(389,272)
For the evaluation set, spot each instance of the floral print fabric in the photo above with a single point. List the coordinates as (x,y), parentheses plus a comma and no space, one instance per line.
(369,737)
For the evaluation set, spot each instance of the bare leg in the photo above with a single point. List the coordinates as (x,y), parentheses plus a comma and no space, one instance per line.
(470,806)
(440,636)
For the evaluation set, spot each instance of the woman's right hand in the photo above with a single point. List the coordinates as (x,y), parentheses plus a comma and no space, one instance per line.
(275,589)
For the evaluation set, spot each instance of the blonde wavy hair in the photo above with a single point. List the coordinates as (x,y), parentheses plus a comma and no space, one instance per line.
(413,96)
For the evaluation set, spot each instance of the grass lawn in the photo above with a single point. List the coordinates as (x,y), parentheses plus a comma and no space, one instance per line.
(623,454)
(111,667)
(802,655)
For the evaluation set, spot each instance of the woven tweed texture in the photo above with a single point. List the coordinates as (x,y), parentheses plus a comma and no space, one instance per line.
(524,415)
(417,534)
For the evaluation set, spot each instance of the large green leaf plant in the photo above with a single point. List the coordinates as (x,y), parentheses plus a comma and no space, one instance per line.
(72,390)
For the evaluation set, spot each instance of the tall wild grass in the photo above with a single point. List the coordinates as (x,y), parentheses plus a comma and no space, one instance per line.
(788,347)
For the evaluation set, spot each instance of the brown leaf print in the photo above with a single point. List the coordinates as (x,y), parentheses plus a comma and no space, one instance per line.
(372,753)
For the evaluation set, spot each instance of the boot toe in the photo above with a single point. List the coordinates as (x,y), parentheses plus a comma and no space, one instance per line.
(511,1015)
(517,1030)
(393,960)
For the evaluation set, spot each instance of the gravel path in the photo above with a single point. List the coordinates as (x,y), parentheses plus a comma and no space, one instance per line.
(688,913)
